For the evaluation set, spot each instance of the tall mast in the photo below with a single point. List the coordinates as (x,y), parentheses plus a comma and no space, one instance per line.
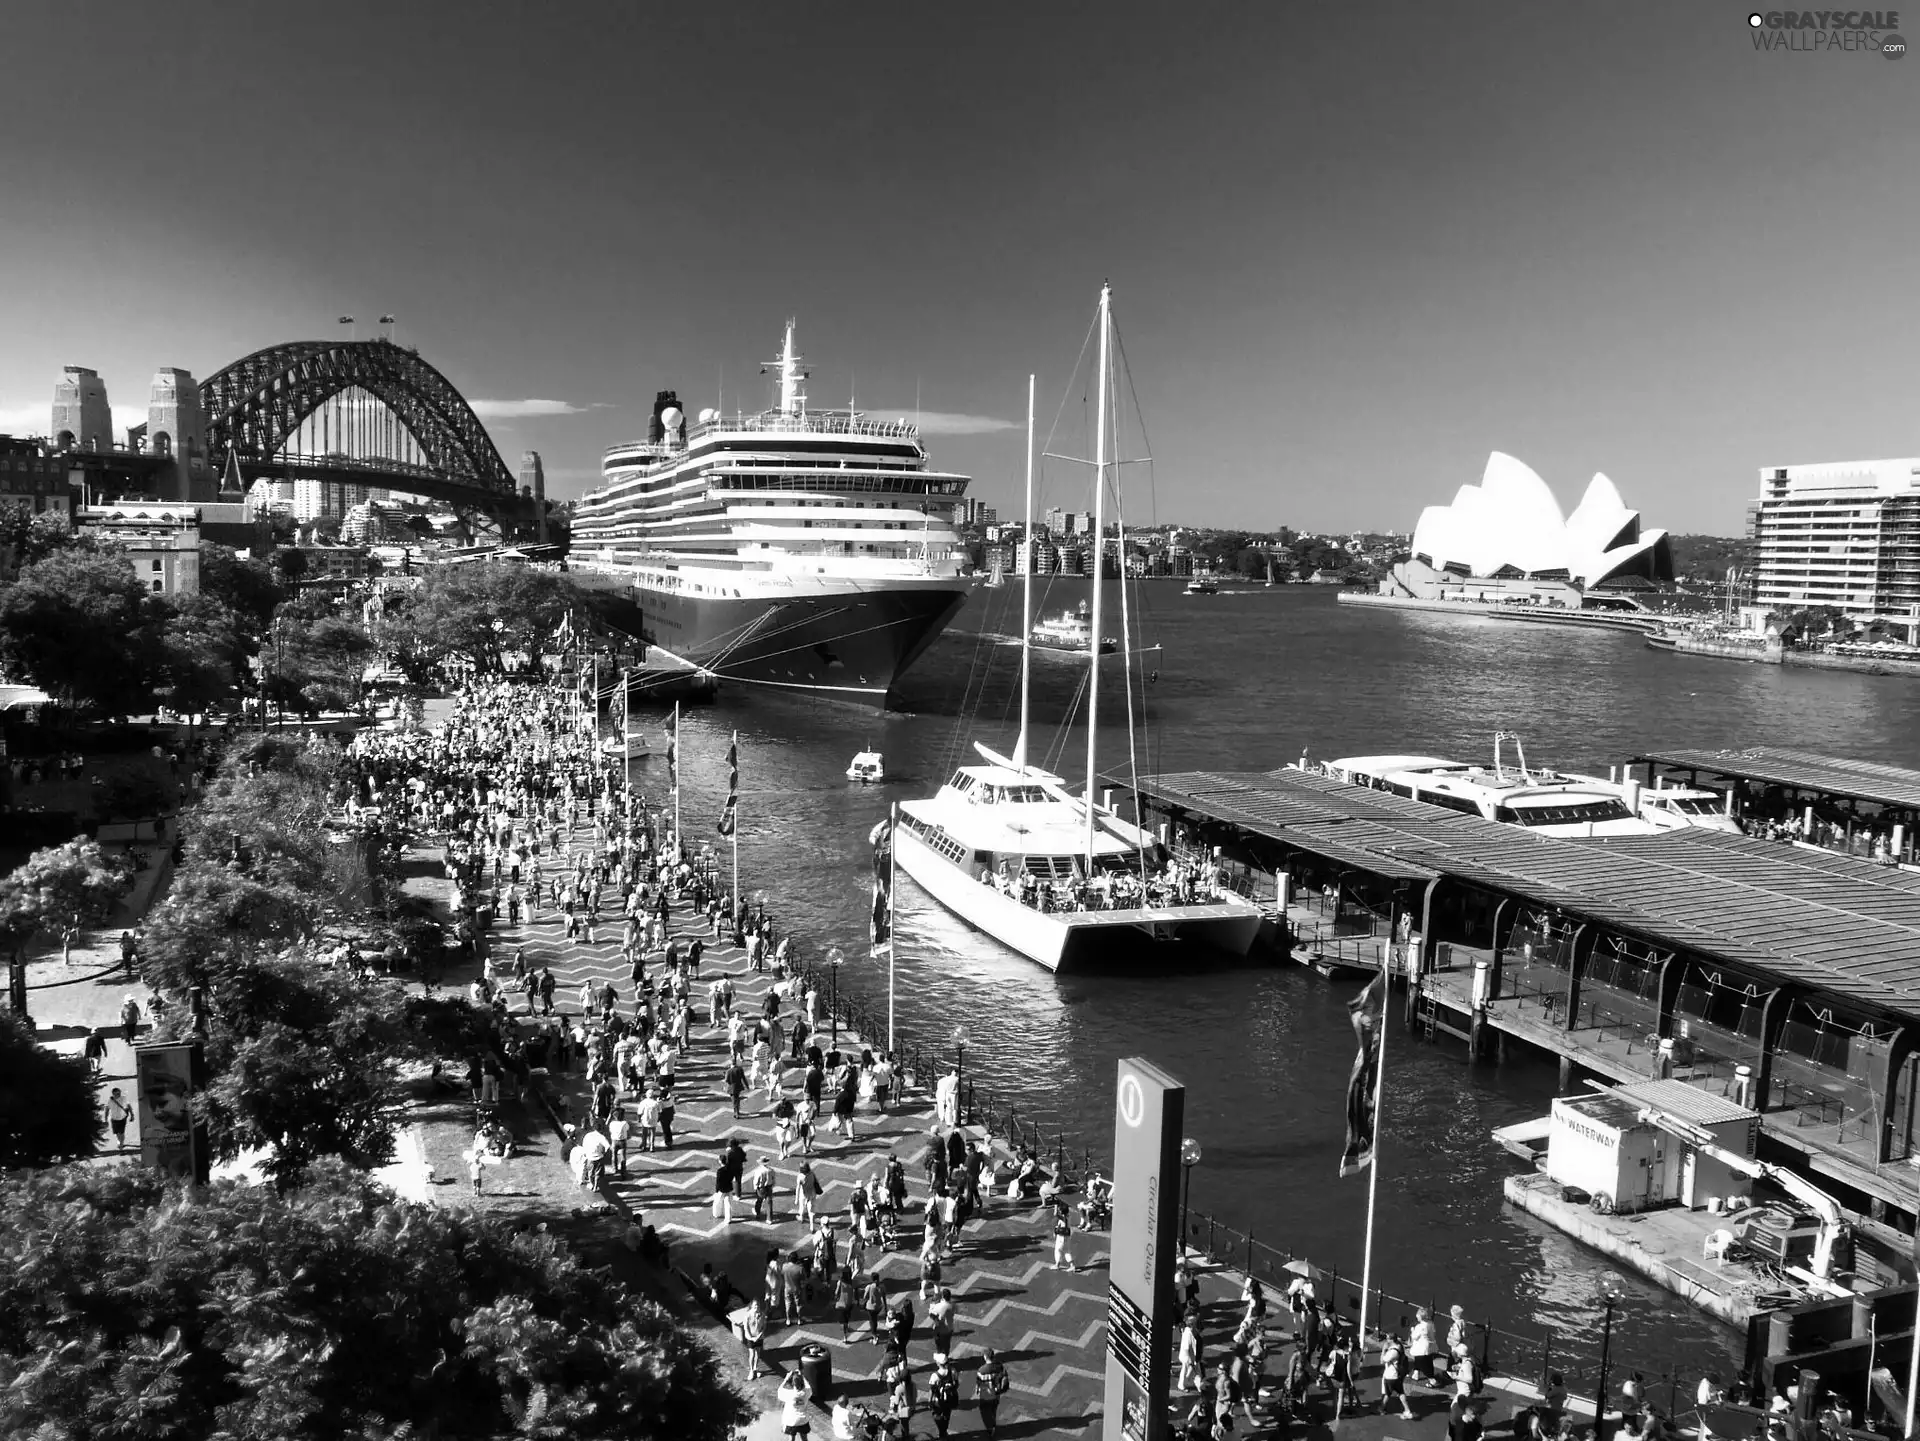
(1099,531)
(1026,590)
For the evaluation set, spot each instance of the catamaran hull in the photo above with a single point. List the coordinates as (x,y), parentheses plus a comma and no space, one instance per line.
(1060,939)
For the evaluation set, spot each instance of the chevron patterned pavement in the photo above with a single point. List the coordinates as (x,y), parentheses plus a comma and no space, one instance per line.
(1048,1326)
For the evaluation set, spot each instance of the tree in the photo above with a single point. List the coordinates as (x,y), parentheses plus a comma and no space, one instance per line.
(77,624)
(454,612)
(202,650)
(331,1310)
(46,1102)
(55,888)
(27,536)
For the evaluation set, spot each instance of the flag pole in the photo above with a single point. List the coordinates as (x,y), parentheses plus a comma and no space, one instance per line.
(893,910)
(1373,1165)
(733,823)
(676,784)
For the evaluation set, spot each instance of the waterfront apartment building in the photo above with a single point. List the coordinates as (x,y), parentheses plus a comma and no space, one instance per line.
(1844,534)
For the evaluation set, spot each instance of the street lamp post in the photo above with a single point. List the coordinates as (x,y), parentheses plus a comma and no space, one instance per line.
(960,1068)
(1611,1297)
(835,958)
(1189,1158)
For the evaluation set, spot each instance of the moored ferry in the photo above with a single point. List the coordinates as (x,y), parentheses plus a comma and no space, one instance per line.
(1543,801)
(801,550)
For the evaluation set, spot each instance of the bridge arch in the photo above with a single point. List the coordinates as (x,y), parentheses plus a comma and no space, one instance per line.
(257,403)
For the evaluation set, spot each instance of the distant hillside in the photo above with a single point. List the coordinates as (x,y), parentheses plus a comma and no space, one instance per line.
(1707,557)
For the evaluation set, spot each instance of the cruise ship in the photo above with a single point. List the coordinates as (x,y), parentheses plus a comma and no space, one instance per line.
(803,550)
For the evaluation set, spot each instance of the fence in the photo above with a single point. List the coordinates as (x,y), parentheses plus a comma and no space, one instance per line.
(1523,1355)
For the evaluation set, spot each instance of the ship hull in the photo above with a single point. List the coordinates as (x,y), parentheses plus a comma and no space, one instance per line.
(850,642)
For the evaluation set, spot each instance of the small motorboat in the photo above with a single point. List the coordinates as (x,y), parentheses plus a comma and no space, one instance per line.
(868,768)
(635,744)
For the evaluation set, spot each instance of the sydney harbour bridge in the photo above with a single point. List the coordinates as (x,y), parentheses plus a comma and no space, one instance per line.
(360,413)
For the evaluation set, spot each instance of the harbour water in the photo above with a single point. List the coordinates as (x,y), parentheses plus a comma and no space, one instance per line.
(1246,681)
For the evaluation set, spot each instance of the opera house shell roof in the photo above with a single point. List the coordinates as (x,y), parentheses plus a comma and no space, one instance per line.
(1509,525)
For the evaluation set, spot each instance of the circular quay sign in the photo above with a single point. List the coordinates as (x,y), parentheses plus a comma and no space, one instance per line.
(1866,31)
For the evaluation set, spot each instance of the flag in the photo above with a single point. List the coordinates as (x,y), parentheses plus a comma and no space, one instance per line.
(346,320)
(1367,1014)
(728,818)
(623,704)
(386,320)
(881,924)
(673,750)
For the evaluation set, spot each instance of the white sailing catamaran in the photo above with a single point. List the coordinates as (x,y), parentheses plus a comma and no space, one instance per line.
(1062,879)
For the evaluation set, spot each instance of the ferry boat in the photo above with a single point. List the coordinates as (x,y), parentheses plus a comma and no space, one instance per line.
(1542,801)
(1671,808)
(1071,630)
(868,767)
(1202,585)
(1057,877)
(803,550)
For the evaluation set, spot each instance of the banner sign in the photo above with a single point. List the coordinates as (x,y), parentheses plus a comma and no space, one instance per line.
(1149,1113)
(167,1079)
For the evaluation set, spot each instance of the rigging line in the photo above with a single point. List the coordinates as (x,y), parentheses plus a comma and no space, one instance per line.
(1063,733)
(1126,649)
(843,636)
(957,732)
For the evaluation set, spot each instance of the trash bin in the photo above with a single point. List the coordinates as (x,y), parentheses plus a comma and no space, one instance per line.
(816,1368)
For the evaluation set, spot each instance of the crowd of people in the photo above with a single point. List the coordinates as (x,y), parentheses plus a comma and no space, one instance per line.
(1172,882)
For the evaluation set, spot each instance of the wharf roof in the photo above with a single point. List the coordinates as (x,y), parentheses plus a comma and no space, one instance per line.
(1832,775)
(1827,922)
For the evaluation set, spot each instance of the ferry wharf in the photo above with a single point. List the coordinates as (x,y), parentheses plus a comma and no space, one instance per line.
(1781,977)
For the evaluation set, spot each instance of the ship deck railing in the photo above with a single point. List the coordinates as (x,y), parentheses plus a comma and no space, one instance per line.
(776,423)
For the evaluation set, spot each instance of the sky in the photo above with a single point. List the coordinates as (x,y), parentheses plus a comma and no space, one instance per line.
(1353,247)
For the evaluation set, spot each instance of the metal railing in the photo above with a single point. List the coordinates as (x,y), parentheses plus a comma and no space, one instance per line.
(1521,1355)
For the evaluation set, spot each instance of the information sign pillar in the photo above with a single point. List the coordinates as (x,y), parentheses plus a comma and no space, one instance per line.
(1149,1115)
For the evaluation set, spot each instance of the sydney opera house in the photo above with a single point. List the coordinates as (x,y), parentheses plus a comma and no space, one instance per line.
(1506,539)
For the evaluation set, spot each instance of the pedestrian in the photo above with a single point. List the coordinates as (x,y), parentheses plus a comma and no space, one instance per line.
(874,1298)
(129,1019)
(943,1394)
(723,1190)
(1420,1344)
(118,1114)
(476,1167)
(845,1299)
(1189,1352)
(753,1336)
(989,1385)
(736,1081)
(807,1188)
(1393,1371)
(1062,1236)
(761,1184)
(793,1395)
(96,1050)
(941,1313)
(619,1132)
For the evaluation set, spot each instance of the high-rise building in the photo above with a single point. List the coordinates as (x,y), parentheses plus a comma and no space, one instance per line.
(1844,534)
(1056,521)
(82,420)
(533,485)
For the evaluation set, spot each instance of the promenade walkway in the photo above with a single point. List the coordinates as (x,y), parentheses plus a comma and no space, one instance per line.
(1047,1326)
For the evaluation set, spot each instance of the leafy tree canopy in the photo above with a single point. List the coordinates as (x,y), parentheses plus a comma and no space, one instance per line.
(46,1102)
(74,884)
(454,612)
(132,1309)
(80,625)
(27,537)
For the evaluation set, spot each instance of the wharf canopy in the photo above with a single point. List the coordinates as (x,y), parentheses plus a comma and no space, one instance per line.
(1509,527)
